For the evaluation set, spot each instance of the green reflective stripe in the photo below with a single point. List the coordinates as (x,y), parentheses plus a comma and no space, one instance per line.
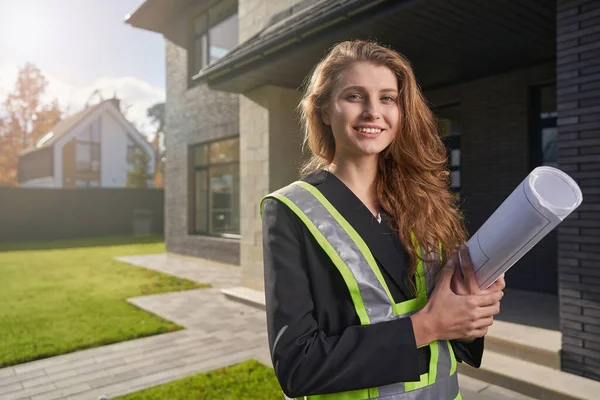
(435,354)
(409,306)
(341,266)
(452,358)
(422,382)
(351,232)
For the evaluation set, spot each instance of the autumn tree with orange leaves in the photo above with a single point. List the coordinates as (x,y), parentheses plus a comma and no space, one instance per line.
(24,120)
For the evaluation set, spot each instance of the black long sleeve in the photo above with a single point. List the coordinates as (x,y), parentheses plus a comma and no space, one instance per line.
(316,342)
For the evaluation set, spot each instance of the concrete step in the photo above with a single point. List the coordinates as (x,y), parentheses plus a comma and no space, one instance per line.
(246,295)
(531,379)
(536,345)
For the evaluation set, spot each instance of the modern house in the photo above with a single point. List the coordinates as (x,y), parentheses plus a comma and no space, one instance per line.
(515,85)
(93,148)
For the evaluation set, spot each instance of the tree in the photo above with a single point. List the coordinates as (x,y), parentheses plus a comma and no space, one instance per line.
(157,113)
(25,119)
(140,174)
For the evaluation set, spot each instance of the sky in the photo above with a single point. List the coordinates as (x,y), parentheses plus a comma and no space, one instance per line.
(81,46)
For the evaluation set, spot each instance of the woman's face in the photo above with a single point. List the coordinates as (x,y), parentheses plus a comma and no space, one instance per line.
(363,112)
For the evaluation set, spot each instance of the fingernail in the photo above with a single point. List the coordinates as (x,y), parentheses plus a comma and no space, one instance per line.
(450,263)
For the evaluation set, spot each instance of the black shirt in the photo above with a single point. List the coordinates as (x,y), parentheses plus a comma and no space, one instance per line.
(316,341)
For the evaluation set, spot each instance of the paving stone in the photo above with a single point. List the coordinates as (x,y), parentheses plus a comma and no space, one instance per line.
(61,366)
(62,392)
(11,387)
(81,378)
(48,378)
(99,366)
(22,377)
(4,372)
(113,378)
(20,394)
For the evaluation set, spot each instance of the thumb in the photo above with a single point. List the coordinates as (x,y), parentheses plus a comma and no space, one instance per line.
(446,273)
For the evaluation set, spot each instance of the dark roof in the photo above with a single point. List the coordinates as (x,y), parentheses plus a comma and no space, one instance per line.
(299,22)
(64,127)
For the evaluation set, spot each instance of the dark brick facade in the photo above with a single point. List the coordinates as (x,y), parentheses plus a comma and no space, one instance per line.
(194,115)
(578,87)
(495,119)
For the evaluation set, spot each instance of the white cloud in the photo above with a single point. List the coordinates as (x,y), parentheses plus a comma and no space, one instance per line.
(136,95)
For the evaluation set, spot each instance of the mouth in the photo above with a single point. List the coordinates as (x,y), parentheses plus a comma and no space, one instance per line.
(368,131)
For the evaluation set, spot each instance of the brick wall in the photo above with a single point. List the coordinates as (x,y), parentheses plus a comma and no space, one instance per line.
(495,157)
(578,87)
(194,115)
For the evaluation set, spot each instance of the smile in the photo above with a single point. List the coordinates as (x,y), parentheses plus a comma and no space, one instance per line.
(368,132)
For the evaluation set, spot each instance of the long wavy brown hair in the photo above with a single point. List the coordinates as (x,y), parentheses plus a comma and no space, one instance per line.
(412,179)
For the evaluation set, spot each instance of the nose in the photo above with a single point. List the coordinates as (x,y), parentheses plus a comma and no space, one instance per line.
(371,111)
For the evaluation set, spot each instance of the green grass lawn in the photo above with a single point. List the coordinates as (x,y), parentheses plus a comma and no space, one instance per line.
(61,296)
(249,380)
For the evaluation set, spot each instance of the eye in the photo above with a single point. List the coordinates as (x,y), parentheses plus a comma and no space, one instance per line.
(389,98)
(354,96)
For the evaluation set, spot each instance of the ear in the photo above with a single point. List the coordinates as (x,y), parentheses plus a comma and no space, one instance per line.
(325,117)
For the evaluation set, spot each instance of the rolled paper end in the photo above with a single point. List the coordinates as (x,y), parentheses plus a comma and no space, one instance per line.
(555,190)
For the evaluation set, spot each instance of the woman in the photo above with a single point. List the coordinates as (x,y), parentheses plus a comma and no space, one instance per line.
(352,251)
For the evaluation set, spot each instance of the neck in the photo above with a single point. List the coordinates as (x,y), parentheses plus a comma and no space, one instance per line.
(359,176)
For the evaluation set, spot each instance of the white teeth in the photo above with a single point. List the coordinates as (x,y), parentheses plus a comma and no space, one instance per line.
(370,130)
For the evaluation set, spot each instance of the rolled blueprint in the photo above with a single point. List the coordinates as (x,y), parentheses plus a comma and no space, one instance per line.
(542,201)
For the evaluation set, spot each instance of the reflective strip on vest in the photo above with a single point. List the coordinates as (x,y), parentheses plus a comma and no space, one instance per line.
(370,294)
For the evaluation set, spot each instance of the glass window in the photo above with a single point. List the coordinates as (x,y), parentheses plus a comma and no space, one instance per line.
(83,156)
(215,33)
(549,147)
(543,134)
(224,151)
(216,186)
(449,128)
(224,194)
(201,201)
(223,38)
(87,157)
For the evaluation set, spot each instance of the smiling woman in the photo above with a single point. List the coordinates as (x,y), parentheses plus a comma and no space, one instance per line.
(354,310)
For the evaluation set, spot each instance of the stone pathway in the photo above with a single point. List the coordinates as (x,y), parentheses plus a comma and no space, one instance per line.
(219,332)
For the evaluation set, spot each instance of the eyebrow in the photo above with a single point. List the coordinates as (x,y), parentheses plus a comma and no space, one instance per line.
(361,88)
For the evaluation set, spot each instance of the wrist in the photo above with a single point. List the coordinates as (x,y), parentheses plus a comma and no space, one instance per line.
(423,328)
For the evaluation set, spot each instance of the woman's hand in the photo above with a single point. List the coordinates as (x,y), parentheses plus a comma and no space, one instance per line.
(448,316)
(468,285)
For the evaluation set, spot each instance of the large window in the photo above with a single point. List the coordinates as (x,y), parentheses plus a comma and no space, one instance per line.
(215,183)
(214,34)
(449,127)
(87,149)
(543,126)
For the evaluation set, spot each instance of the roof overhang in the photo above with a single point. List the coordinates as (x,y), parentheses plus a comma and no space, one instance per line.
(152,15)
(446,42)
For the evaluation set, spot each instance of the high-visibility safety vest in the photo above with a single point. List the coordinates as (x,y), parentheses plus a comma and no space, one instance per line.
(370,294)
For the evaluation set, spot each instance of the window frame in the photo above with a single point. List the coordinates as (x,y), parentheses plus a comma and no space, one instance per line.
(193,168)
(537,124)
(194,37)
(94,129)
(452,142)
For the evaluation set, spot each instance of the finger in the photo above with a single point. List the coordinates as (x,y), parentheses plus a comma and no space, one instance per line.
(468,270)
(489,311)
(497,286)
(446,273)
(484,300)
(483,323)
